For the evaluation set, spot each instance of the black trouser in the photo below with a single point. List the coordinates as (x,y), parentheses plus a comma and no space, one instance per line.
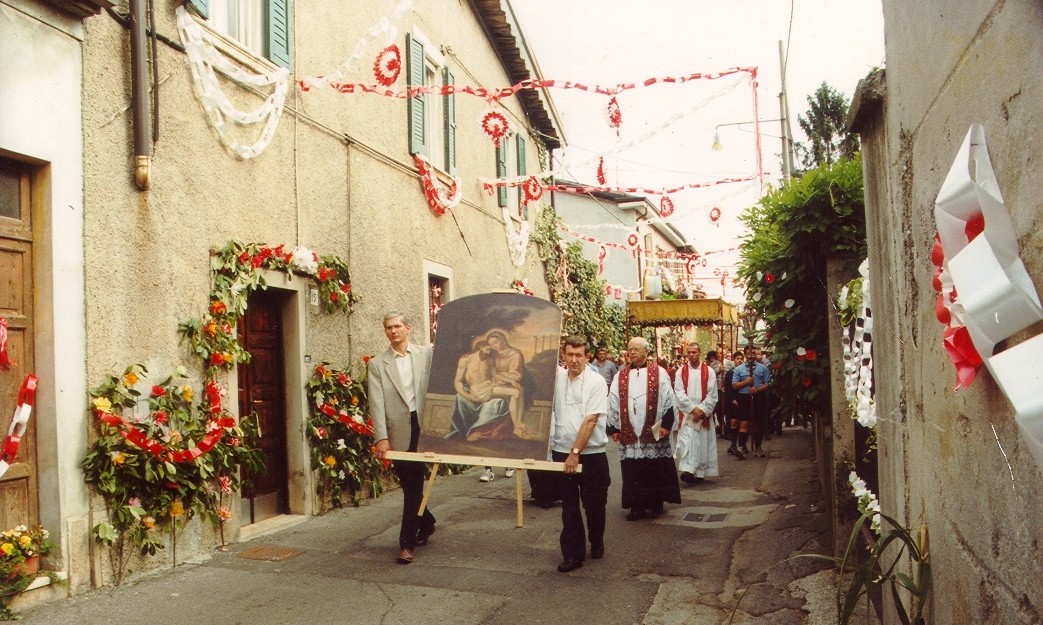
(744,414)
(411,476)
(591,489)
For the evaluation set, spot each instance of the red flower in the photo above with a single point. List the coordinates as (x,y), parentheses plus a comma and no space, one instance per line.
(333,296)
(227,422)
(320,371)
(266,252)
(256,261)
(777,365)
(226,328)
(158,391)
(343,379)
(365,359)
(245,256)
(217,307)
(324,274)
(216,360)
(345,288)
(234,442)
(811,355)
(806,382)
(172,485)
(278,250)
(327,410)
(769,277)
(160,416)
(321,432)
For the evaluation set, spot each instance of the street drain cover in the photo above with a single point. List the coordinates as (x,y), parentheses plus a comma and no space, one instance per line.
(693,517)
(268,554)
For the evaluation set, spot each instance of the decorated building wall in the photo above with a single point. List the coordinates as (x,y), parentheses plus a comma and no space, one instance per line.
(956,462)
(337,178)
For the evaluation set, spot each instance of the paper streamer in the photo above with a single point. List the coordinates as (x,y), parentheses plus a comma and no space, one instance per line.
(439,200)
(858,356)
(517,240)
(995,293)
(15,432)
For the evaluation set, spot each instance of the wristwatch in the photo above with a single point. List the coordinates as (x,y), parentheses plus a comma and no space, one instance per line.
(575,451)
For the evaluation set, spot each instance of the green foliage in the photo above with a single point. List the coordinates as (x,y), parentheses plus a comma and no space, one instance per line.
(341,437)
(135,464)
(826,128)
(849,302)
(575,286)
(794,229)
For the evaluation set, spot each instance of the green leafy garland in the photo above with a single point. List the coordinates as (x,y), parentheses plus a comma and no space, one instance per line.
(576,288)
(161,468)
(794,229)
(342,437)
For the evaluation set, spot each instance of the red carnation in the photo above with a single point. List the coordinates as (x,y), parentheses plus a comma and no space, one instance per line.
(278,250)
(234,442)
(811,355)
(245,256)
(365,359)
(321,432)
(256,261)
(346,287)
(160,416)
(320,370)
(324,274)
(158,391)
(806,382)
(343,379)
(333,296)
(777,365)
(769,277)
(217,307)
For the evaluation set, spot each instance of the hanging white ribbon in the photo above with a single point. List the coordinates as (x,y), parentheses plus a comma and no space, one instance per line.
(858,356)
(991,282)
(204,58)
(517,240)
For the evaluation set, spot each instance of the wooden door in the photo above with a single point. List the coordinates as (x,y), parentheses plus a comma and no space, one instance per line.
(262,389)
(18,487)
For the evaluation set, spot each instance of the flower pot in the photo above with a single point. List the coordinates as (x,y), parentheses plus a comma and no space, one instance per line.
(31,566)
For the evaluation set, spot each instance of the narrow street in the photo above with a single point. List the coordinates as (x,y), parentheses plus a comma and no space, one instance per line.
(687,566)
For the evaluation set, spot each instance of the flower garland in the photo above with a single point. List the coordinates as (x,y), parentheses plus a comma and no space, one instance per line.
(437,199)
(388,65)
(341,437)
(521,286)
(203,59)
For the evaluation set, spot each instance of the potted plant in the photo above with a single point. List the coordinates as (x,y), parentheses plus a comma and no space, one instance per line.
(20,551)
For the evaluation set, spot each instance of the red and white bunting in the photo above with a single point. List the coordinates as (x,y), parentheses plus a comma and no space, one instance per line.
(437,198)
(491,185)
(388,65)
(601,171)
(615,116)
(24,408)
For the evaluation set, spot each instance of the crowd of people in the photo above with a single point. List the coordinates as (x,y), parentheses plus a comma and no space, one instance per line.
(664,416)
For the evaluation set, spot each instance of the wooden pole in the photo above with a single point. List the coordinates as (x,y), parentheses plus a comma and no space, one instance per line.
(518,480)
(427,490)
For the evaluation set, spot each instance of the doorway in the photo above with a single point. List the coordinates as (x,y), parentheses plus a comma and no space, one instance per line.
(262,390)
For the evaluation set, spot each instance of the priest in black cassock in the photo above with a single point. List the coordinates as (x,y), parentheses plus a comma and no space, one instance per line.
(640,418)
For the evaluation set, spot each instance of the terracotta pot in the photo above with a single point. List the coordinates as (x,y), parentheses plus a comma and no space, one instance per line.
(31,566)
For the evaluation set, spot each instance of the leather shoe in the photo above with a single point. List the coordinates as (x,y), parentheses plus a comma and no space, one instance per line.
(405,556)
(636,514)
(687,478)
(569,565)
(423,535)
(596,551)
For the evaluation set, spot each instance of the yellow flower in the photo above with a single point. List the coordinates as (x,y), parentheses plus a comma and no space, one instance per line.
(354,400)
(148,522)
(25,540)
(102,405)
(186,392)
(118,458)
(224,514)
(331,461)
(7,548)
(130,379)
(176,509)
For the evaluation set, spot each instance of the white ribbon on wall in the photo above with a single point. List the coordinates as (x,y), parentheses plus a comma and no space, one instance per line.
(858,356)
(995,291)
(517,240)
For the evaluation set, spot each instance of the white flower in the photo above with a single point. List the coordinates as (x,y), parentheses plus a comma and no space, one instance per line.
(341,474)
(341,444)
(756,297)
(783,276)
(357,418)
(759,275)
(875,526)
(801,351)
(304,260)
(789,303)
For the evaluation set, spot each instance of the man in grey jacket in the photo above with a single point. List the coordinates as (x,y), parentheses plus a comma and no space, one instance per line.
(397,385)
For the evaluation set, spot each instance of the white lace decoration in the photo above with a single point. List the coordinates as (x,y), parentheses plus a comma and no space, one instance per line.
(858,356)
(517,240)
(204,58)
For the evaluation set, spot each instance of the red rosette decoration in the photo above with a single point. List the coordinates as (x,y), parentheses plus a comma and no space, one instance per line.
(601,171)
(388,65)
(633,240)
(532,189)
(666,206)
(715,215)
(691,265)
(495,126)
(615,116)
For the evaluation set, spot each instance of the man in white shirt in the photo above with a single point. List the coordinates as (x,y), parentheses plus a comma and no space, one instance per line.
(695,387)
(397,385)
(579,438)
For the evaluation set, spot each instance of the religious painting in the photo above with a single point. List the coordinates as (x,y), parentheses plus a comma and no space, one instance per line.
(491,389)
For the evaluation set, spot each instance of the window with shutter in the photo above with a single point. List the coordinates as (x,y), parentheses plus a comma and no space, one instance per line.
(202,7)
(415,76)
(523,209)
(262,27)
(449,126)
(278,37)
(501,172)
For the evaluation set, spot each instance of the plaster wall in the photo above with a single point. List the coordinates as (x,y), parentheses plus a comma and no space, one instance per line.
(337,178)
(944,455)
(599,219)
(40,83)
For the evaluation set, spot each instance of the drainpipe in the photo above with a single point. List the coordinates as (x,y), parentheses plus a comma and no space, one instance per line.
(139,95)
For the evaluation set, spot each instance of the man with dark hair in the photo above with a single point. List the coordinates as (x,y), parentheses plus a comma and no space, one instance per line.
(605,367)
(640,418)
(397,385)
(751,378)
(578,438)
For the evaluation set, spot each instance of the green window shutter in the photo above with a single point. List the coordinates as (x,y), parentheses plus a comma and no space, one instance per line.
(501,172)
(417,114)
(278,41)
(202,7)
(521,172)
(450,123)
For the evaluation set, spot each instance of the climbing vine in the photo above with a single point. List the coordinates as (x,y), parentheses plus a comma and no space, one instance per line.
(793,230)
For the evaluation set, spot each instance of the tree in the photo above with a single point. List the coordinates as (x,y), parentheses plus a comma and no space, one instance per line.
(826,128)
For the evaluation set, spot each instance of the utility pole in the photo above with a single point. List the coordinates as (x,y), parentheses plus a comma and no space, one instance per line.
(787,136)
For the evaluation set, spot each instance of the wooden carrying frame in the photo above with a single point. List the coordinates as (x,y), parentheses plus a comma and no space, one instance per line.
(437,459)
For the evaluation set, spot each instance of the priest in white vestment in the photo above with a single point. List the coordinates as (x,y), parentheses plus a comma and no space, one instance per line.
(695,387)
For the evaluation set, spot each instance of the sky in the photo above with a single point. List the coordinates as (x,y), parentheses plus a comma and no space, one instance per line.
(608,42)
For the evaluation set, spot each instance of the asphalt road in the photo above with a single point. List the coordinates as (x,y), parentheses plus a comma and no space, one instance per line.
(687,566)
